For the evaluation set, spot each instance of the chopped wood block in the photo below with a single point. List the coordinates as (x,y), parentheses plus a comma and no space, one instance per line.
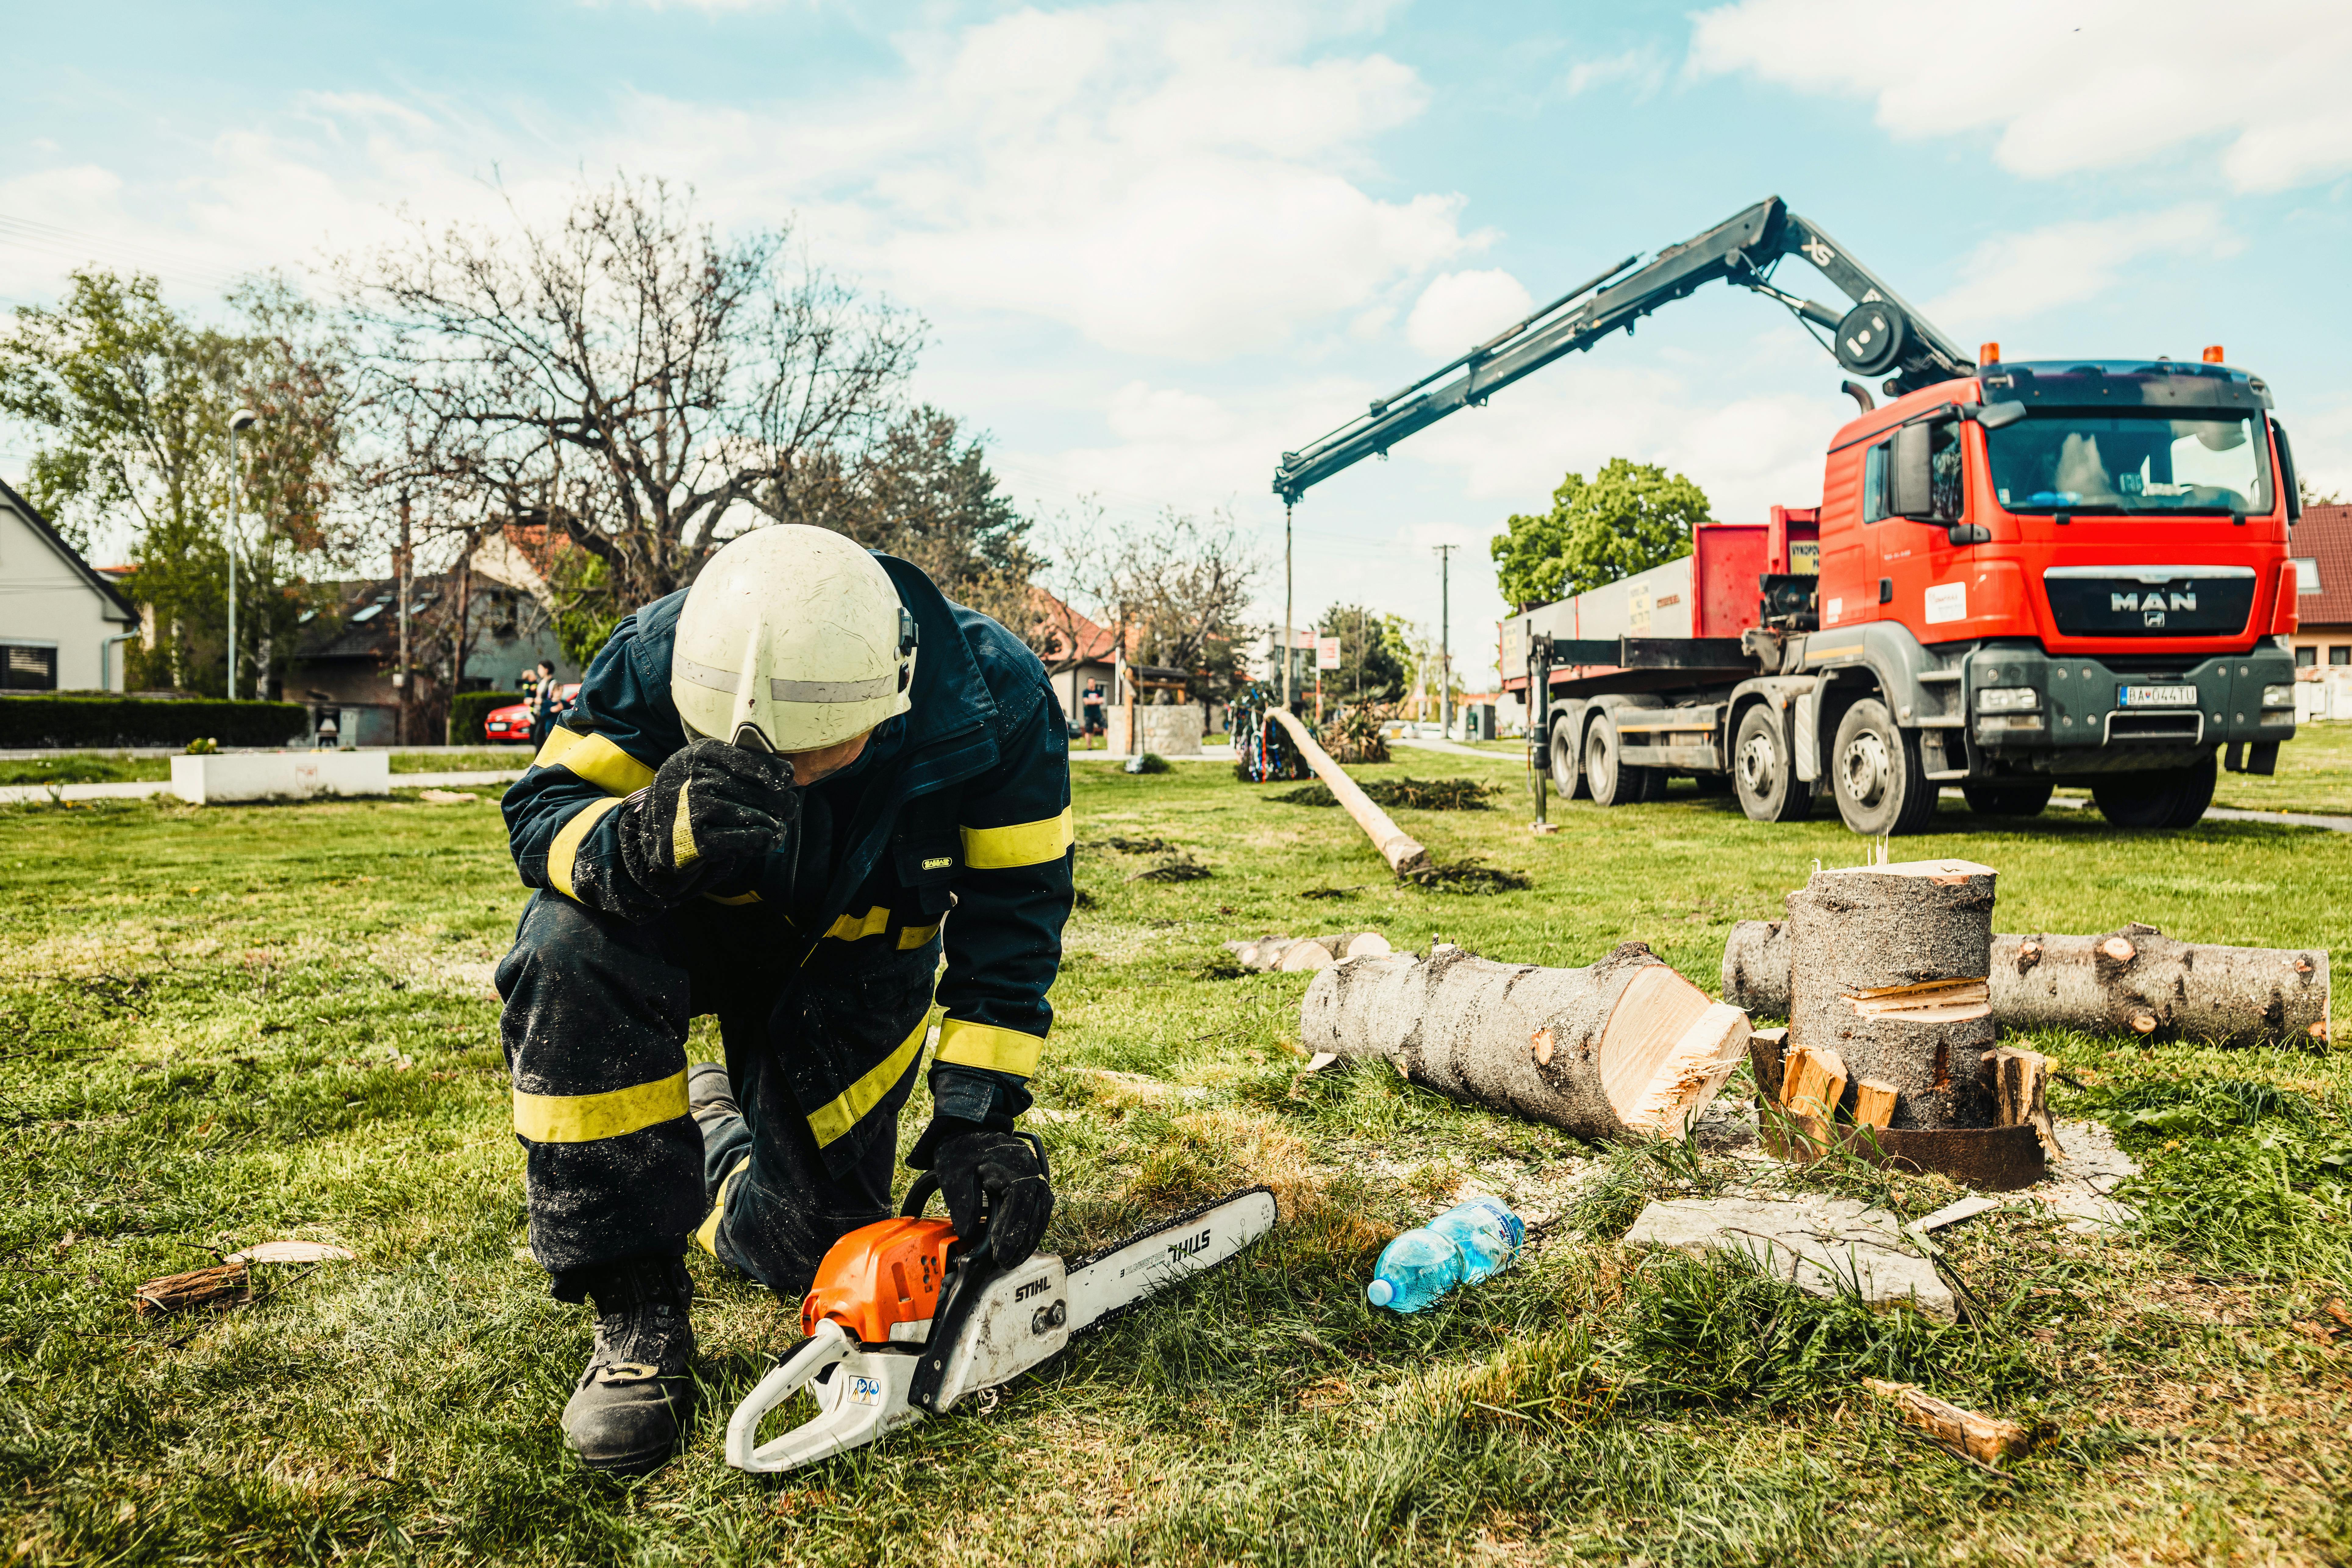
(1304,955)
(1777,1035)
(2021,1083)
(1987,1440)
(1873,1103)
(1812,1081)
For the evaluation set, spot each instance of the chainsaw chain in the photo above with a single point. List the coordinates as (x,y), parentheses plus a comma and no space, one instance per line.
(1174,1222)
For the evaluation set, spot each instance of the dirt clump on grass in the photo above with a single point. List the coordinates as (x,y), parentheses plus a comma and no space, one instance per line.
(1406,794)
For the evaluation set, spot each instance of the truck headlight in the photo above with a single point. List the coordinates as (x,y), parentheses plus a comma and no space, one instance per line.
(1990,726)
(2278,696)
(2007,700)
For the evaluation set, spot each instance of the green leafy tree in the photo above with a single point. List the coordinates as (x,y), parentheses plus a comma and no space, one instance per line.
(1371,668)
(130,404)
(1628,517)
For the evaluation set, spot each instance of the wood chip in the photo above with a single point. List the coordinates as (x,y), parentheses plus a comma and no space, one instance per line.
(292,1252)
(222,1283)
(1987,1440)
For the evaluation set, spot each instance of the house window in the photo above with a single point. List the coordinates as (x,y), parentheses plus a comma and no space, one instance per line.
(27,668)
(2339,654)
(2306,575)
(2305,657)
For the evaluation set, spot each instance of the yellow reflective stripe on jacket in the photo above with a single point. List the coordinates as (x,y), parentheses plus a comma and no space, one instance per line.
(595,759)
(566,848)
(856,927)
(914,937)
(732,898)
(706,1235)
(848,1108)
(585,1118)
(1023,844)
(986,1046)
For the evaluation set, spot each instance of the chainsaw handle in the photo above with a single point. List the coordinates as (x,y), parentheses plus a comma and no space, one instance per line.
(919,1196)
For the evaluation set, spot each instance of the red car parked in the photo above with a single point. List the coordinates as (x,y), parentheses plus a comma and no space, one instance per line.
(511,724)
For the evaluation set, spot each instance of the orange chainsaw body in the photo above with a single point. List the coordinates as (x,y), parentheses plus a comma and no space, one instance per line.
(879,1275)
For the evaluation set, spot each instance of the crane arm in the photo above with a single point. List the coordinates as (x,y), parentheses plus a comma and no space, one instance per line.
(1881,335)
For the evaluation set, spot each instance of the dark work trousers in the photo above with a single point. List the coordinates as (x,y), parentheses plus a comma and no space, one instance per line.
(595,1028)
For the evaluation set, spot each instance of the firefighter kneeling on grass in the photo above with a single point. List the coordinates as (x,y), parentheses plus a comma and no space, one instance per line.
(771,792)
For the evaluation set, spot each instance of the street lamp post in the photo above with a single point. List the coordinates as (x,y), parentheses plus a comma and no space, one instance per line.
(243,419)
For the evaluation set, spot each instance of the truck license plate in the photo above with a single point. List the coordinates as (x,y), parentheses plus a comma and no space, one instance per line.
(2158,697)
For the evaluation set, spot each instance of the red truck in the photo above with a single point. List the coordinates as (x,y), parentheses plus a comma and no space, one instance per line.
(2020,574)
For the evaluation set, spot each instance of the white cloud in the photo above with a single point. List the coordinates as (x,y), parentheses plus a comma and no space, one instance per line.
(2016,275)
(1460,309)
(1143,413)
(2091,84)
(1644,68)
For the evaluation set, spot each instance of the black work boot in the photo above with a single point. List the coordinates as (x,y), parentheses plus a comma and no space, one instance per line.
(710,1097)
(636,1396)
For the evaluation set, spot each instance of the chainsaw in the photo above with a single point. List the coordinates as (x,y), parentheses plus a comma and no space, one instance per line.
(905,1319)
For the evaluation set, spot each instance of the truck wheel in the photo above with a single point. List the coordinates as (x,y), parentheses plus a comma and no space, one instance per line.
(1613,783)
(2007,799)
(1764,775)
(1565,776)
(2167,797)
(1874,769)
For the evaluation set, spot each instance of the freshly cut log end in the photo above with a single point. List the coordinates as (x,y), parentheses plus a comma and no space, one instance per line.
(1622,1048)
(1268,954)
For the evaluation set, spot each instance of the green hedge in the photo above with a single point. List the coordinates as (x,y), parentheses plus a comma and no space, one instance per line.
(468,708)
(77,719)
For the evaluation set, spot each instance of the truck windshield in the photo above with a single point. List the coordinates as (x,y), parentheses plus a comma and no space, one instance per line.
(2094,463)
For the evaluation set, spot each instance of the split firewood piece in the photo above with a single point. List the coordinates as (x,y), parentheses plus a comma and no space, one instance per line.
(2137,981)
(1873,1103)
(1812,1081)
(197,1288)
(2021,1087)
(1987,1440)
(1888,965)
(1400,849)
(1625,1047)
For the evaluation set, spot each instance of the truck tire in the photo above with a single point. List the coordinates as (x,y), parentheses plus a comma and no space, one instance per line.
(1875,772)
(1611,782)
(2007,799)
(1566,777)
(1764,775)
(2165,797)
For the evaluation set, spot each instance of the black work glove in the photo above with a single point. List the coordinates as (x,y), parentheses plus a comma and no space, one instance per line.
(711,807)
(994,1185)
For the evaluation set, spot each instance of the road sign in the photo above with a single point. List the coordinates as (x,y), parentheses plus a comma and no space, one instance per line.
(1326,652)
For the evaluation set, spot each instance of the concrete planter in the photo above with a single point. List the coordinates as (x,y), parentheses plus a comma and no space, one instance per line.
(1170,731)
(271,775)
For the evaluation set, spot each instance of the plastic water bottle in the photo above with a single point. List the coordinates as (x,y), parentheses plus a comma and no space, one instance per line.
(1463,1245)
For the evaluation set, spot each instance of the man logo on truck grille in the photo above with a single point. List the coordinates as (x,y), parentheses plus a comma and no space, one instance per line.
(2156,599)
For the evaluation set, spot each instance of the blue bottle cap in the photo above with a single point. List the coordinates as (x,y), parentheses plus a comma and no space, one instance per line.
(1380,1292)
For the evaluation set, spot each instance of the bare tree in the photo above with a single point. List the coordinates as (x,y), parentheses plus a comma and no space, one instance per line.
(625,377)
(1173,591)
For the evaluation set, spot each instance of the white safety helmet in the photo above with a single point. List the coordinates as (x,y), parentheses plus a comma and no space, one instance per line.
(792,639)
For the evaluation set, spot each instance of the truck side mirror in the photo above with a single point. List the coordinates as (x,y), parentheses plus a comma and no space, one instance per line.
(1994,416)
(1911,473)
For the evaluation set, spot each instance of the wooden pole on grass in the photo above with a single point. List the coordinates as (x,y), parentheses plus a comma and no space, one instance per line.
(1402,852)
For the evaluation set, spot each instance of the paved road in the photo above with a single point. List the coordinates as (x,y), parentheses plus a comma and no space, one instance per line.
(30,795)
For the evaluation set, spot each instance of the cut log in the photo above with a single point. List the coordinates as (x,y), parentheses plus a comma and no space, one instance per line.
(1398,848)
(1812,1081)
(1887,969)
(1873,1103)
(2136,982)
(1987,1440)
(1269,953)
(1623,1049)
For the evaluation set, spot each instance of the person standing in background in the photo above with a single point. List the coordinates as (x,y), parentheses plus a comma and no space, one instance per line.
(546,704)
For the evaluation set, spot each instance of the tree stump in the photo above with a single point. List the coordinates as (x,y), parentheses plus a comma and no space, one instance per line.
(1887,973)
(1623,1049)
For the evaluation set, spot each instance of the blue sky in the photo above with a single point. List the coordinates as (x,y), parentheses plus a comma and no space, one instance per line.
(1158,244)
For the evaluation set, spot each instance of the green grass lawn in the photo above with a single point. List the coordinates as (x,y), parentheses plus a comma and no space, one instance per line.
(233,1025)
(113,767)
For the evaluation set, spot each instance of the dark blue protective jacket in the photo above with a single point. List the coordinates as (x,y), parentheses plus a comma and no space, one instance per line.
(962,801)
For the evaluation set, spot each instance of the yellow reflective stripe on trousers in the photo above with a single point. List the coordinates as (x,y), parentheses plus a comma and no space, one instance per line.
(585,1118)
(856,927)
(1023,844)
(914,937)
(595,759)
(848,1108)
(706,1236)
(986,1046)
(565,851)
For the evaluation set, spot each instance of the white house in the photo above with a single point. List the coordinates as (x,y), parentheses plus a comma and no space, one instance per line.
(62,625)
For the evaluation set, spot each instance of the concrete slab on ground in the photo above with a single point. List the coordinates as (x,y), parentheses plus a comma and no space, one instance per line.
(1821,1245)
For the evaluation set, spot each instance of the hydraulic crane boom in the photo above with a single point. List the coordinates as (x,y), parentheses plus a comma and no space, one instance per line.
(1880,335)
